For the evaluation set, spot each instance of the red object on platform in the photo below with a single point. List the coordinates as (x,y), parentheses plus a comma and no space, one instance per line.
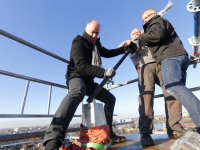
(98,134)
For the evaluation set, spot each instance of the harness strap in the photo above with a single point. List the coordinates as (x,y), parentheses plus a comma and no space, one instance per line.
(97,146)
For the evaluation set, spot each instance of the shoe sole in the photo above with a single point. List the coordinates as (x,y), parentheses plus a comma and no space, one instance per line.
(146,144)
(175,136)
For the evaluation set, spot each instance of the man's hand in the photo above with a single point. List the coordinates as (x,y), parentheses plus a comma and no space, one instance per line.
(130,46)
(133,47)
(109,73)
(127,43)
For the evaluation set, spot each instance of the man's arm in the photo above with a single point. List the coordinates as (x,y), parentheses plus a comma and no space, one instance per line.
(155,33)
(125,46)
(107,53)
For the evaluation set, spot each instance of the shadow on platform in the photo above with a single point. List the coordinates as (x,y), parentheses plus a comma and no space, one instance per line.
(162,142)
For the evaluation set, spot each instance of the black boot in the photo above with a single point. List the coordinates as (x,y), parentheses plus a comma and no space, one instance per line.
(177,133)
(146,140)
(116,139)
(198,130)
(53,145)
(173,136)
(181,132)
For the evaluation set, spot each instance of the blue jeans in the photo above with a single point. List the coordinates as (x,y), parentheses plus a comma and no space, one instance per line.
(78,89)
(174,76)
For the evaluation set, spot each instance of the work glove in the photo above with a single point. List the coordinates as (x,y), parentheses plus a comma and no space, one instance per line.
(109,73)
(132,48)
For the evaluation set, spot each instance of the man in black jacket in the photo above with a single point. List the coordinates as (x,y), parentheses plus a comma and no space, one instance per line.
(168,50)
(85,64)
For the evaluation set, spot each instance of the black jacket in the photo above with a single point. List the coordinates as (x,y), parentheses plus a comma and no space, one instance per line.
(162,39)
(81,58)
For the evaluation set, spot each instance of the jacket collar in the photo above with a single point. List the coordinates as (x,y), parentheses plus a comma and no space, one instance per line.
(88,38)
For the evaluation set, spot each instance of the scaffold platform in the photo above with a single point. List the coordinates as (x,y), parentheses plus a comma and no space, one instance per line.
(161,141)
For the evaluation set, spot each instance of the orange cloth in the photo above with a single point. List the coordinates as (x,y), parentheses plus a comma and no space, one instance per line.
(98,134)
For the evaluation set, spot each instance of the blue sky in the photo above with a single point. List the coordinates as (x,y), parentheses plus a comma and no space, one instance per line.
(52,25)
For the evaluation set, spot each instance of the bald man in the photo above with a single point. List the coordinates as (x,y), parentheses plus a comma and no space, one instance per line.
(85,64)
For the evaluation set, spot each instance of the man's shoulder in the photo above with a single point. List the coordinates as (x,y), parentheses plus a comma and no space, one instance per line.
(81,41)
(78,37)
(160,19)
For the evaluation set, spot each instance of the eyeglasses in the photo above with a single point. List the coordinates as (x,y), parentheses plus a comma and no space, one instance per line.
(147,16)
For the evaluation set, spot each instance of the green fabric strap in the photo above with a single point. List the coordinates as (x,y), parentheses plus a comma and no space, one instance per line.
(97,146)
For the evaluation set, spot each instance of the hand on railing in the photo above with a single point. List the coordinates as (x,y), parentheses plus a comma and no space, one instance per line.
(109,72)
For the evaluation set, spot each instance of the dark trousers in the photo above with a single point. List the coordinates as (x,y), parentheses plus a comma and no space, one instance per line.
(78,89)
(149,75)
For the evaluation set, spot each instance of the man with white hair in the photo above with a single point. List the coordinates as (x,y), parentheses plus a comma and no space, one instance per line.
(85,64)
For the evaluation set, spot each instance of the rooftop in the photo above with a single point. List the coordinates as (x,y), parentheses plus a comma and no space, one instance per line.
(161,141)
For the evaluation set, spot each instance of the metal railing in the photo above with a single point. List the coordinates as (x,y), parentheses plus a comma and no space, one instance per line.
(25,94)
(17,39)
(135,80)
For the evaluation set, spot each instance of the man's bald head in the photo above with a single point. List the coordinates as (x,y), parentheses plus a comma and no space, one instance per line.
(93,28)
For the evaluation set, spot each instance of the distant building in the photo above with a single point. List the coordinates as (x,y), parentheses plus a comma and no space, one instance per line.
(16,130)
(185,114)
(128,119)
(118,120)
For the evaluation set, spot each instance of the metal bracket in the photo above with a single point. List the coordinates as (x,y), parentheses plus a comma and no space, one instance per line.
(195,59)
(193,6)
(194,41)
(109,81)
